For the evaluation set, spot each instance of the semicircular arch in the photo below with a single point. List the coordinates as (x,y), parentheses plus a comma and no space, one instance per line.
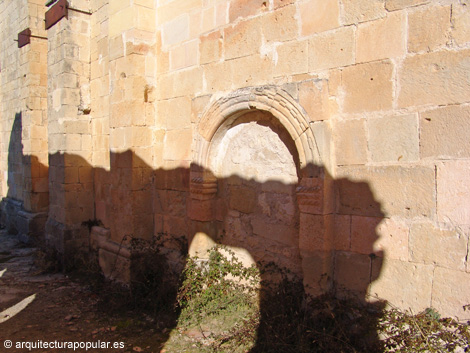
(221,113)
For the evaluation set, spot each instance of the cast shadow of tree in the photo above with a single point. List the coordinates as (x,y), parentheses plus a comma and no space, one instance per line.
(133,199)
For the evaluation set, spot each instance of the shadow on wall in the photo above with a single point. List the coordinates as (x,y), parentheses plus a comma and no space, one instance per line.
(263,221)
(24,209)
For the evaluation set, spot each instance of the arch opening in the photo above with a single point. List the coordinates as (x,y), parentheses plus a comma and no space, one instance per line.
(255,163)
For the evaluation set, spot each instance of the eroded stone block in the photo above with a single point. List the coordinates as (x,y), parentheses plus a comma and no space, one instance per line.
(318,16)
(444,132)
(451,293)
(394,138)
(437,78)
(432,245)
(386,191)
(453,192)
(405,285)
(368,86)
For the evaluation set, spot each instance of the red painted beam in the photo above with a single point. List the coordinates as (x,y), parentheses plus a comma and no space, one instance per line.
(56,13)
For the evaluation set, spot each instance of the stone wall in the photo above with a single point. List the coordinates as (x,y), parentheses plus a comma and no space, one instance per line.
(328,136)
(23,95)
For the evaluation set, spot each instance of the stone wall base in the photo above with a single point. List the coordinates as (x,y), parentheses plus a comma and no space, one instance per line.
(114,259)
(68,241)
(28,225)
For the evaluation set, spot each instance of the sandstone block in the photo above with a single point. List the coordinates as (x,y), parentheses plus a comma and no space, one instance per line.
(176,30)
(323,136)
(207,19)
(280,25)
(201,210)
(431,245)
(175,226)
(141,136)
(318,16)
(221,13)
(195,24)
(70,175)
(146,3)
(121,21)
(393,239)
(389,191)
(310,196)
(381,39)
(444,132)
(368,86)
(176,202)
(350,142)
(73,142)
(394,138)
(245,8)
(114,267)
(210,48)
(146,19)
(461,23)
(278,233)
(352,272)
(141,202)
(436,78)
(313,233)
(243,199)
(364,234)
(332,49)
(392,5)
(317,271)
(129,66)
(143,226)
(177,145)
(453,192)
(184,55)
(250,70)
(429,28)
(281,3)
(198,105)
(405,285)
(172,9)
(356,11)
(180,83)
(292,58)
(242,39)
(451,293)
(342,233)
(176,113)
(163,62)
(212,74)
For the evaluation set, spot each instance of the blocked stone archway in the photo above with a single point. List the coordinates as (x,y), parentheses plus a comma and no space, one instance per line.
(217,121)
(222,112)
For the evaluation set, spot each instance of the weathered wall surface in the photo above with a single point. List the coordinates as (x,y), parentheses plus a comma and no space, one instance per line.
(390,79)
(329,136)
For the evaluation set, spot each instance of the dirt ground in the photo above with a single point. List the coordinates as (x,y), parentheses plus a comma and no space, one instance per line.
(63,310)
